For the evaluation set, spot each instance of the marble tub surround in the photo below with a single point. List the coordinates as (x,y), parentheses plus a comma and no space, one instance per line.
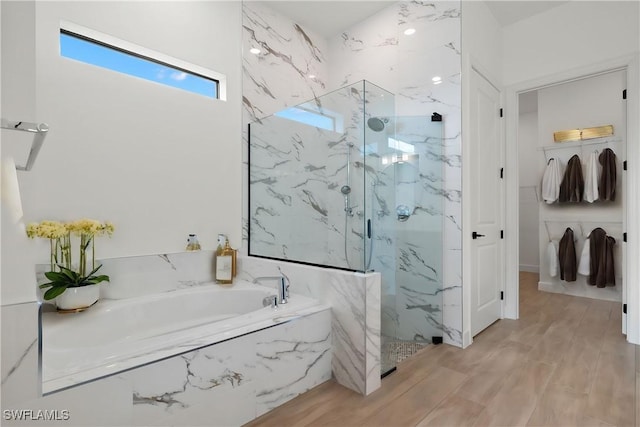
(148,274)
(20,355)
(235,381)
(355,305)
(229,383)
(142,330)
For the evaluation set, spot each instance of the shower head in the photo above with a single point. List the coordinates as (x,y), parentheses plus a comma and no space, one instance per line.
(377,124)
(345,190)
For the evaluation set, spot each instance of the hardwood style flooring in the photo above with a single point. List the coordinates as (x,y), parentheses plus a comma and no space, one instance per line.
(563,363)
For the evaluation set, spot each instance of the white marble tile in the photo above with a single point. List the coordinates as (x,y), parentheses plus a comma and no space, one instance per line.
(100,403)
(373,333)
(376,50)
(167,391)
(346,293)
(292,359)
(142,275)
(20,354)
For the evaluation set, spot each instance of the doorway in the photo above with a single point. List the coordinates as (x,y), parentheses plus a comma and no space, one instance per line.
(558,137)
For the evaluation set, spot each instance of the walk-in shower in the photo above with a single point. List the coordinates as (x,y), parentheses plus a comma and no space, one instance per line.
(343,181)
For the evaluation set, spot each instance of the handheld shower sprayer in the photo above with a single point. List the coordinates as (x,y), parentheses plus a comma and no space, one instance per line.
(346,190)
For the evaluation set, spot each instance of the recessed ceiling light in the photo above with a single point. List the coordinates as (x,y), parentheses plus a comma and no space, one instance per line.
(255,50)
(409,31)
(436,79)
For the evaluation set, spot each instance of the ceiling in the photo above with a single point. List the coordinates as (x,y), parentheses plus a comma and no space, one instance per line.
(509,12)
(328,18)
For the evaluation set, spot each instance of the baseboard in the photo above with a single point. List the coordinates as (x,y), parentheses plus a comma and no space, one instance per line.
(530,268)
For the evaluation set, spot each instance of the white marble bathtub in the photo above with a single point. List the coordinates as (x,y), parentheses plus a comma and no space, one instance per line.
(117,335)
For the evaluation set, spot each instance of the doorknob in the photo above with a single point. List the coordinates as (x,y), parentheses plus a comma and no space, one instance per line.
(475,235)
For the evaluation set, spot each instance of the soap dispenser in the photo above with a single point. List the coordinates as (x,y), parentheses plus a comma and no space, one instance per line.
(224,263)
(192,243)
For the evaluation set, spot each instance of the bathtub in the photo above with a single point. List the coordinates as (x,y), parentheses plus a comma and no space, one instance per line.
(118,335)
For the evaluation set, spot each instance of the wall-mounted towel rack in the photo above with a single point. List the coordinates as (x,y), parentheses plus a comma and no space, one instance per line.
(580,144)
(38,129)
(580,224)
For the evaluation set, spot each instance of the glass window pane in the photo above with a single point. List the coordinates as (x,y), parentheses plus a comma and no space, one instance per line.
(114,59)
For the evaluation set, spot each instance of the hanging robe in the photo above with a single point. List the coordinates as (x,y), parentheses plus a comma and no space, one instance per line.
(591,179)
(572,186)
(607,183)
(551,181)
(567,257)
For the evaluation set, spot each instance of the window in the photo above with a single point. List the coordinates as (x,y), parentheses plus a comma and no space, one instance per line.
(107,52)
(308,117)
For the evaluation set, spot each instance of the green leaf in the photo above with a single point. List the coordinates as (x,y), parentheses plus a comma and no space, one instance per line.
(45,285)
(54,276)
(94,280)
(54,292)
(70,274)
(94,270)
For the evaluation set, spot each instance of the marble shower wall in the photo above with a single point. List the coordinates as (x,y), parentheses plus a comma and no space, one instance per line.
(298,171)
(376,50)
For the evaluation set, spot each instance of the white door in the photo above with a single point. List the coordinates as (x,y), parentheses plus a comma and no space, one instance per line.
(487,204)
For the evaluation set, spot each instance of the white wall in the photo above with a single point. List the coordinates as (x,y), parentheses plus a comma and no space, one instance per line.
(574,34)
(156,161)
(529,191)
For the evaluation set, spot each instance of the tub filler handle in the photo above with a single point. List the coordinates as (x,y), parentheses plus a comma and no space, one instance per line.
(283,288)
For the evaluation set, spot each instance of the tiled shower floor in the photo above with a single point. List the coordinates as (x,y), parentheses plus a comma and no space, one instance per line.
(394,352)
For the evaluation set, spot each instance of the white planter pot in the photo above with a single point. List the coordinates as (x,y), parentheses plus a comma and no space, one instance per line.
(78,299)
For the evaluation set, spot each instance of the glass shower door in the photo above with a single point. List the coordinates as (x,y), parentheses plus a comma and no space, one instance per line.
(407,241)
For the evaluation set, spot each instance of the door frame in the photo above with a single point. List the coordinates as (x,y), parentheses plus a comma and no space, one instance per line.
(632,277)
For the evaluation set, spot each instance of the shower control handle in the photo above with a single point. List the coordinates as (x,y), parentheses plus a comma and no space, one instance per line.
(475,235)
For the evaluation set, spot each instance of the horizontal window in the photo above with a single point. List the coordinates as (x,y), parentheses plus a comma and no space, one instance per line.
(85,48)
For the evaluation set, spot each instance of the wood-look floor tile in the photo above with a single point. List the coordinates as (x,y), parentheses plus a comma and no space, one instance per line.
(453,411)
(612,397)
(518,397)
(577,369)
(418,401)
(559,406)
(564,362)
(549,350)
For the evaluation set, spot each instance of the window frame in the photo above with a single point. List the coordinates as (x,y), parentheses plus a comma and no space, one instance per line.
(110,42)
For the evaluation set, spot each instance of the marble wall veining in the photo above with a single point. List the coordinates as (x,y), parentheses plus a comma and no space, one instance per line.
(355,307)
(377,50)
(229,383)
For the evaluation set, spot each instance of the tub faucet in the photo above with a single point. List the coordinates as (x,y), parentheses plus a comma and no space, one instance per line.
(283,286)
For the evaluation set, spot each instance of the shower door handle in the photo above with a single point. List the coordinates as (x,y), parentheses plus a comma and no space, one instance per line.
(369,228)
(475,235)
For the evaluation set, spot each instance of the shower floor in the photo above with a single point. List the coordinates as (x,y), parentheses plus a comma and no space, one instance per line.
(394,352)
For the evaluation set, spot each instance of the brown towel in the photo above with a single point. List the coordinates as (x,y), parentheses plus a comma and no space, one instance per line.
(567,257)
(572,186)
(607,182)
(601,247)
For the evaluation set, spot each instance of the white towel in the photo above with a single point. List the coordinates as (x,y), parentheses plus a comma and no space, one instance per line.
(552,255)
(591,179)
(584,266)
(551,181)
